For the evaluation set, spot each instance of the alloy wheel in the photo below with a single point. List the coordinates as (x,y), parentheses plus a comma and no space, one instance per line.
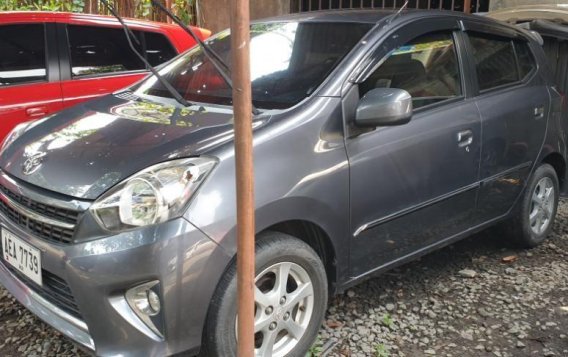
(542,205)
(284,304)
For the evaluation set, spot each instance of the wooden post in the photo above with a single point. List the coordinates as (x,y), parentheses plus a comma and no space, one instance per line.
(242,104)
(169,7)
(467,6)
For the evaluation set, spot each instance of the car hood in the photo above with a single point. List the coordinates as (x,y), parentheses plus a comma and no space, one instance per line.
(85,150)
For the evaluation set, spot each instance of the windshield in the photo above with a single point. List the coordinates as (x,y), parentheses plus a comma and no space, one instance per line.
(289,60)
(495,5)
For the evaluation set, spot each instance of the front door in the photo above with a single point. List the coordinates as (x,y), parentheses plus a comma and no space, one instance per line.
(415,184)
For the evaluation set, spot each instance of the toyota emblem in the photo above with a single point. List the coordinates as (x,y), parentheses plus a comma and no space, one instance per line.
(33,162)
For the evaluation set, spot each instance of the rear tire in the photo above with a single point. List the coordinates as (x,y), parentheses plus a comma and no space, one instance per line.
(288,316)
(535,214)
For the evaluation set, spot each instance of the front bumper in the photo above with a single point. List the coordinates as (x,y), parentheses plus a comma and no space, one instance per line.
(185,261)
(70,326)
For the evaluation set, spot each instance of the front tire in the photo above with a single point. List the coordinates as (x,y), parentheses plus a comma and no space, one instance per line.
(534,218)
(290,301)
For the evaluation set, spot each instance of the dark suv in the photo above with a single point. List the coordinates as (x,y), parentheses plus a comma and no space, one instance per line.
(380,137)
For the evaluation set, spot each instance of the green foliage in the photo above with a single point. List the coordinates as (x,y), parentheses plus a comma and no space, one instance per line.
(387,320)
(381,350)
(42,5)
(77,6)
(184,9)
(49,5)
(12,5)
(144,8)
(316,349)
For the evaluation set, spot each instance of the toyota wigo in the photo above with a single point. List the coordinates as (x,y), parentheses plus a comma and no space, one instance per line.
(378,137)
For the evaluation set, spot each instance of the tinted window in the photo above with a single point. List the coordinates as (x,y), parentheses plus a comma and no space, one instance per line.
(158,48)
(22,58)
(495,61)
(525,57)
(426,67)
(289,60)
(96,50)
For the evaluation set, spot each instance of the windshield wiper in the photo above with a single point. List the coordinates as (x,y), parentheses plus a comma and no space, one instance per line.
(129,35)
(217,61)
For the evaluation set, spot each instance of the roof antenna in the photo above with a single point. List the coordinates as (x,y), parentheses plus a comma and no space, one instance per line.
(402,8)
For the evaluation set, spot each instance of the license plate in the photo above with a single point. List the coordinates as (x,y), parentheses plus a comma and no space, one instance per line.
(22,256)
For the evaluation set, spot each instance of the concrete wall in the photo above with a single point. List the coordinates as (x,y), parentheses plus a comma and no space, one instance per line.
(214,14)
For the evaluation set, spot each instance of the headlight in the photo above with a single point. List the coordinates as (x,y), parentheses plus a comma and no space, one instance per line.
(152,196)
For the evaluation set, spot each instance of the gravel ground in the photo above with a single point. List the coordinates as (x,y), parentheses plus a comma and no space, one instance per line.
(474,298)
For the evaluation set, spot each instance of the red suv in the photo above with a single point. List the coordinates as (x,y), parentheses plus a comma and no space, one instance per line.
(50,61)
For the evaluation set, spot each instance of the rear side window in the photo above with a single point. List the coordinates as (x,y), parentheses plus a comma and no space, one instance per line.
(426,67)
(526,60)
(22,54)
(158,48)
(99,50)
(495,61)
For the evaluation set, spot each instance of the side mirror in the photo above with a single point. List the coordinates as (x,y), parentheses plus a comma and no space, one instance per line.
(384,107)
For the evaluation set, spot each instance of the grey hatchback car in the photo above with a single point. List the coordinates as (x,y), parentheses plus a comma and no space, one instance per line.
(379,138)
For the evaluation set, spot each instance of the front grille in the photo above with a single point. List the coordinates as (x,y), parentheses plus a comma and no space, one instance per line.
(55,290)
(40,229)
(61,214)
(127,95)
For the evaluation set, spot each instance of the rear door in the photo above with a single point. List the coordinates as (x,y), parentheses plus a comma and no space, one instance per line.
(29,73)
(514,103)
(414,185)
(96,60)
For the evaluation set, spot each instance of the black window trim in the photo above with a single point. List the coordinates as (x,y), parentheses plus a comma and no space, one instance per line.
(502,87)
(535,67)
(141,33)
(496,30)
(49,58)
(424,27)
(375,56)
(461,69)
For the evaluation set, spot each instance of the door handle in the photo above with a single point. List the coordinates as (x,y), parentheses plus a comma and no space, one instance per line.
(36,112)
(465,138)
(539,112)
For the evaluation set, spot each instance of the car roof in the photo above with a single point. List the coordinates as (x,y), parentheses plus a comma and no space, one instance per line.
(68,17)
(361,16)
(369,16)
(373,16)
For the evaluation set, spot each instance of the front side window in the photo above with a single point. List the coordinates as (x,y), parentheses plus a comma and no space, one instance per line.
(22,54)
(289,60)
(495,61)
(99,50)
(426,67)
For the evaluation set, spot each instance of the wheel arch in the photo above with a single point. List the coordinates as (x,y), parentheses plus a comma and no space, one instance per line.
(559,164)
(316,237)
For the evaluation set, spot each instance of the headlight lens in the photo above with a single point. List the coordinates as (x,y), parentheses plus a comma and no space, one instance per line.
(139,203)
(152,196)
